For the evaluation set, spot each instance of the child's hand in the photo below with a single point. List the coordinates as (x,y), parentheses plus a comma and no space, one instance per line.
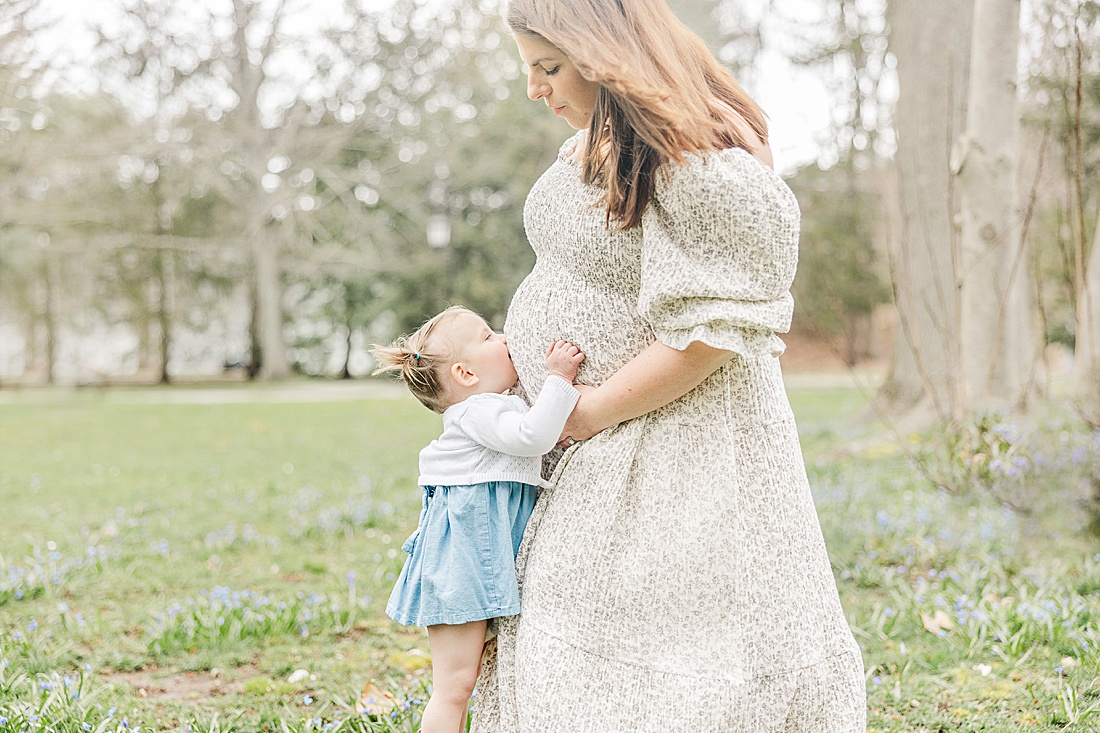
(563,358)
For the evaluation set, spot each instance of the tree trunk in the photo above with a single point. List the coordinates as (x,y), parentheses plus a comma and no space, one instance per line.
(997,346)
(930,113)
(269,306)
(164,312)
(345,370)
(50,316)
(248,78)
(256,349)
(1086,362)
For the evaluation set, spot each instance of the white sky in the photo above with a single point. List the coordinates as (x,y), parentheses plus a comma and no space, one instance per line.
(796,101)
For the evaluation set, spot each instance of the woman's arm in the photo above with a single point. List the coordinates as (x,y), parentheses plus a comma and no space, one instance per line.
(652,379)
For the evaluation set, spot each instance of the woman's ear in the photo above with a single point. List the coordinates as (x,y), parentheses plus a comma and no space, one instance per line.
(462,376)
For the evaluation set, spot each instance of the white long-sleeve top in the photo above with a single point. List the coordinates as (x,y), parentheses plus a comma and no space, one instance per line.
(496,437)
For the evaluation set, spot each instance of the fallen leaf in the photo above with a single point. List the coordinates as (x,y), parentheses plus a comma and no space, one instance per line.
(411,660)
(939,621)
(374,701)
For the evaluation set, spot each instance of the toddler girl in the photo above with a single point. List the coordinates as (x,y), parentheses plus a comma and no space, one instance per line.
(479,479)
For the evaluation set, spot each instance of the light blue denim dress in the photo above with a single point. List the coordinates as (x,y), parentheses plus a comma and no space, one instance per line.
(461,565)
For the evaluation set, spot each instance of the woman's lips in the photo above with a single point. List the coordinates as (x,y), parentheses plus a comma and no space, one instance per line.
(557,110)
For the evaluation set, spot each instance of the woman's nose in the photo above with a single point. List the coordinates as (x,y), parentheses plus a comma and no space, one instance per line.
(536,90)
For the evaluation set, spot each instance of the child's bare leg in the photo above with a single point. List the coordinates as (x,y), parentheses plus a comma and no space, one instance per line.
(456,658)
(466,710)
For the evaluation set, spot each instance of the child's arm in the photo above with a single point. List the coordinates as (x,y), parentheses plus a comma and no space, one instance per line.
(535,431)
(505,427)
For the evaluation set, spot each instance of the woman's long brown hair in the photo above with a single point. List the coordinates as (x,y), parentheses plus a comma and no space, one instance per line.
(662,93)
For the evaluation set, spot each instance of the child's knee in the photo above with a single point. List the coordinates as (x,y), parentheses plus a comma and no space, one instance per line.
(455,691)
(458,686)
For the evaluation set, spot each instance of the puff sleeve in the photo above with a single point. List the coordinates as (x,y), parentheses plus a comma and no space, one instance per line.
(719,252)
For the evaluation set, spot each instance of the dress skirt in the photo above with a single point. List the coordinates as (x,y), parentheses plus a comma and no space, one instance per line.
(461,564)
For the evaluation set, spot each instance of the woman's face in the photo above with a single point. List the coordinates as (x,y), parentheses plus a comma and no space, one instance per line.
(553,78)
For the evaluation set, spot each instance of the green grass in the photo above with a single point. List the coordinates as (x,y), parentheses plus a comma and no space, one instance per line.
(172,566)
(131,530)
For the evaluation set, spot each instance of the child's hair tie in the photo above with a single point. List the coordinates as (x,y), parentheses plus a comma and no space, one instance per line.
(416,356)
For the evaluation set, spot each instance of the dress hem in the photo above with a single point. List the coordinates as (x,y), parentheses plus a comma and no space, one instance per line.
(456,619)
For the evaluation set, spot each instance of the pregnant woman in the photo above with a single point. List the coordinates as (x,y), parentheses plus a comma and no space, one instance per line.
(675,578)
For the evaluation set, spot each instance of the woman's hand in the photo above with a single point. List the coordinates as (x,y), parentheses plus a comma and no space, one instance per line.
(652,379)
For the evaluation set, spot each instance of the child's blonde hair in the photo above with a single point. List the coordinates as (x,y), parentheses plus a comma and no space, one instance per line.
(422,359)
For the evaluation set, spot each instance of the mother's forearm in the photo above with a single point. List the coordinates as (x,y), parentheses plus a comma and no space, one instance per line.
(652,379)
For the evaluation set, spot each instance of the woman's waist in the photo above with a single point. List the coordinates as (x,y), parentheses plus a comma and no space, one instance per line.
(742,393)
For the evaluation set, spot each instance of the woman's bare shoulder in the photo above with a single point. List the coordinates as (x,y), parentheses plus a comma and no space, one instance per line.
(760,150)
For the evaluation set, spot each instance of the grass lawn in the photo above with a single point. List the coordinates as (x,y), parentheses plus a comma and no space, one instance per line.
(175,566)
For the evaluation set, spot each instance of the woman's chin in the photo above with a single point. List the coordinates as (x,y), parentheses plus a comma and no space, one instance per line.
(576,124)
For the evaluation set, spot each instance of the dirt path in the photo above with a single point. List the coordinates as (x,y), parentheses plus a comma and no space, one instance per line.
(288,392)
(323,391)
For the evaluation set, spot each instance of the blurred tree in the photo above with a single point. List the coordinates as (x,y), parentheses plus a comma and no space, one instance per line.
(930,114)
(20,115)
(958,255)
(282,100)
(463,150)
(160,240)
(847,47)
(998,351)
(840,280)
(1063,107)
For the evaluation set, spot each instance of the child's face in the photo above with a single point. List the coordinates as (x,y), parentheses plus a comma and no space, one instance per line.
(483,352)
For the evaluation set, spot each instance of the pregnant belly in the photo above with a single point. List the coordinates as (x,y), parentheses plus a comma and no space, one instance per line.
(552,304)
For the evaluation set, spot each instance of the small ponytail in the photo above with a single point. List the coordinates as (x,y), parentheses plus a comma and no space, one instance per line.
(422,359)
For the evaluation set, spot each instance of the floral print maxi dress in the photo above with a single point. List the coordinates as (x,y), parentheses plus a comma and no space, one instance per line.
(675,577)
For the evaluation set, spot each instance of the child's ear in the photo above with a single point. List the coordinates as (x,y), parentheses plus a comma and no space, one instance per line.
(462,376)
